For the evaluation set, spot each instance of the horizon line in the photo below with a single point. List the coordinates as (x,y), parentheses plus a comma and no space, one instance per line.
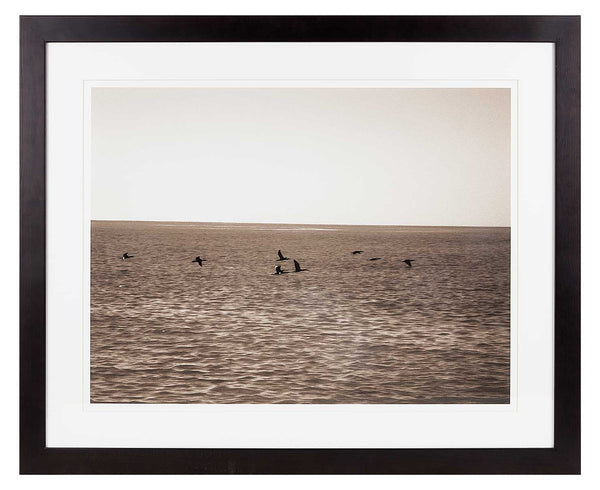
(301,224)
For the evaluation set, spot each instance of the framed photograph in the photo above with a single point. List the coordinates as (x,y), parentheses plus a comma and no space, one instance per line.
(300,245)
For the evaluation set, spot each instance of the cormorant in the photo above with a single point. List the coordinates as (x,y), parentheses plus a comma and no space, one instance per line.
(126,256)
(408,262)
(357,252)
(281,257)
(297,267)
(199,260)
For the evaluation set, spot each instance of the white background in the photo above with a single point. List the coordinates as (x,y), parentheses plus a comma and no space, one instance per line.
(526,423)
(9,245)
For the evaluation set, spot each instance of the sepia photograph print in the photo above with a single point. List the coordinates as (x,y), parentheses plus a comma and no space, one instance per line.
(300,245)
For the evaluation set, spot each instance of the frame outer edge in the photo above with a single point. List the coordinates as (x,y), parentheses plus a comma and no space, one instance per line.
(32,246)
(567,414)
(35,31)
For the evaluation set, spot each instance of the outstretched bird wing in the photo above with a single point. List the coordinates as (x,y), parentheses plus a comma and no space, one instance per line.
(296,265)
(280,254)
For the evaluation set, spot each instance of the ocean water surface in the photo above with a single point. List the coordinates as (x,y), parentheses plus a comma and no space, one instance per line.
(347,330)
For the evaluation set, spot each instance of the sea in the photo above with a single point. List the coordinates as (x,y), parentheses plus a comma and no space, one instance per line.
(347,330)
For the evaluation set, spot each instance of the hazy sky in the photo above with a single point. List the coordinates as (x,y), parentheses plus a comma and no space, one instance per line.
(302,155)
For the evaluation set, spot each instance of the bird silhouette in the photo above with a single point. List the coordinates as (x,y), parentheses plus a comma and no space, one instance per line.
(126,256)
(199,260)
(357,252)
(281,257)
(297,267)
(279,271)
(375,258)
(408,262)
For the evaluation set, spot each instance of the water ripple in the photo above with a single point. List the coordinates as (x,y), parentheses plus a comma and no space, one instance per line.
(347,331)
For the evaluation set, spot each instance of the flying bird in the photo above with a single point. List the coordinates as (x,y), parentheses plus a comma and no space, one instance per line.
(126,256)
(281,257)
(297,267)
(408,262)
(199,260)
(357,252)
(375,258)
(279,270)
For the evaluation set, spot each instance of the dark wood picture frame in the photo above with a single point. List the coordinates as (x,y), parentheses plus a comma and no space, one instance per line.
(36,31)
